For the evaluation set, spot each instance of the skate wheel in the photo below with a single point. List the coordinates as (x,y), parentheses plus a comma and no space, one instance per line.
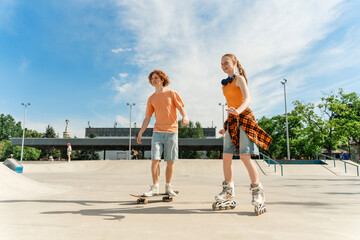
(221,208)
(227,208)
(145,201)
(170,199)
(164,199)
(256,211)
(138,201)
(232,207)
(214,206)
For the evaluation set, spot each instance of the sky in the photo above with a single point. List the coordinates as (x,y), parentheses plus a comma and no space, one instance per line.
(84,60)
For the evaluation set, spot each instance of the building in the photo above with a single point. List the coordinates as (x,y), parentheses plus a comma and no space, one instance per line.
(123,133)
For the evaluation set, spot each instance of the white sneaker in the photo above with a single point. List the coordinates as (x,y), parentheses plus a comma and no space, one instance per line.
(169,190)
(154,190)
(227,193)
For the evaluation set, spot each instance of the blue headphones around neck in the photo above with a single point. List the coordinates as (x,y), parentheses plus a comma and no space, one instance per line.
(228,80)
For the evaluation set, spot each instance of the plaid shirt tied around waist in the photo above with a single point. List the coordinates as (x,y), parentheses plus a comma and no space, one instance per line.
(248,122)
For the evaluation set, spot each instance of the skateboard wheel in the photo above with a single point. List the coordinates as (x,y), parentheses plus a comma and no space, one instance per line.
(145,201)
(164,199)
(138,201)
(170,199)
(221,208)
(232,207)
(227,208)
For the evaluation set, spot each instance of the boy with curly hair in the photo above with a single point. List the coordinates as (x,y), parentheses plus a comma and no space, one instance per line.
(164,103)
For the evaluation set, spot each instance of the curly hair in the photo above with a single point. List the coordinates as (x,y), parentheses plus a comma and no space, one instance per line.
(162,76)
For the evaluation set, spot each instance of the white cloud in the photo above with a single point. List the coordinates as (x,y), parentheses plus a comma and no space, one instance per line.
(120,50)
(186,39)
(7,12)
(123,121)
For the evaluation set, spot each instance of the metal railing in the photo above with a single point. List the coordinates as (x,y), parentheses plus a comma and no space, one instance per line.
(267,159)
(333,158)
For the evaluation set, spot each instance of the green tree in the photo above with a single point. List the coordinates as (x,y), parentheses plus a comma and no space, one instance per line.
(85,155)
(347,110)
(325,129)
(32,134)
(28,154)
(191,131)
(50,132)
(9,127)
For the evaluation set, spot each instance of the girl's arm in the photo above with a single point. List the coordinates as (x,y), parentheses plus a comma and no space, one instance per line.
(241,83)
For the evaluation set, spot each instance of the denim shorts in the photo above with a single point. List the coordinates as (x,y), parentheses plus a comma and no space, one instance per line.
(245,146)
(166,142)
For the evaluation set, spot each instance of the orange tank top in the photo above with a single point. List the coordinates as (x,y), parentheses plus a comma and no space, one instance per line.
(233,94)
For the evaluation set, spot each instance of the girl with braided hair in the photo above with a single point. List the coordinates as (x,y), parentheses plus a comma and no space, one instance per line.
(242,135)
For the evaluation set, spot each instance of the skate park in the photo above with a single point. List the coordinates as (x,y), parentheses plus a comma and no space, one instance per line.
(90,200)
(78,89)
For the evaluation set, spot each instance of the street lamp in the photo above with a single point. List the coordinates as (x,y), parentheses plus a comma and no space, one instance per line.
(130,105)
(223,120)
(223,105)
(23,136)
(287,125)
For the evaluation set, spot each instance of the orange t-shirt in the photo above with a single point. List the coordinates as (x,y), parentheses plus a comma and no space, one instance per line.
(165,105)
(233,94)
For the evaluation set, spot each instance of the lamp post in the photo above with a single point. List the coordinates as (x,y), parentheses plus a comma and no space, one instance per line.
(223,105)
(23,136)
(223,120)
(130,105)
(286,118)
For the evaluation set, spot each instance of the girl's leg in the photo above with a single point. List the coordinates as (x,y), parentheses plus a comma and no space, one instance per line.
(227,167)
(169,171)
(155,171)
(251,168)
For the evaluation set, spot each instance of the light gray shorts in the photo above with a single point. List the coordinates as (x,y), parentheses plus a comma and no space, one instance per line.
(166,142)
(245,146)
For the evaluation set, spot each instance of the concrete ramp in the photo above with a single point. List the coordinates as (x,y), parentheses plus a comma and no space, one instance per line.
(15,186)
(14,165)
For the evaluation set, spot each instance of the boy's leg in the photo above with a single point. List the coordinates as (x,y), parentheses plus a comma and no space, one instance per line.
(169,171)
(170,156)
(156,152)
(155,171)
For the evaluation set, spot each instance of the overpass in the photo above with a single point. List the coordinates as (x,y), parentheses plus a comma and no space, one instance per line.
(104,144)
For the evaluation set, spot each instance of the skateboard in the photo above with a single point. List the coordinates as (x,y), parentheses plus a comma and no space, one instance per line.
(144,199)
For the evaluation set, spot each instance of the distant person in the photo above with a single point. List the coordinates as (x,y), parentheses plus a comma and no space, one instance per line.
(11,156)
(346,156)
(242,135)
(69,150)
(164,103)
(135,154)
(342,156)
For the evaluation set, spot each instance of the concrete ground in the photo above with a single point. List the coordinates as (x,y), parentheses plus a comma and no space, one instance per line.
(90,200)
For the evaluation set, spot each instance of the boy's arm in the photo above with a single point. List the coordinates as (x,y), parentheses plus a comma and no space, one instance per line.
(143,127)
(184,120)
